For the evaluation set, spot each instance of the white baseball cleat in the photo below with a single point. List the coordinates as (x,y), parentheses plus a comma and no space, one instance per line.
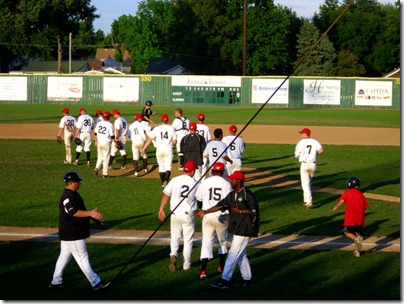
(136,174)
(146,171)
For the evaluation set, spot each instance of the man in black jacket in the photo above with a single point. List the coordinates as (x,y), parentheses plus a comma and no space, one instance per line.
(244,222)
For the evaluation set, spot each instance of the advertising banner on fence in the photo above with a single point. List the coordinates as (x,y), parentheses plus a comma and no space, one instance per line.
(262,89)
(65,88)
(121,89)
(321,92)
(373,93)
(13,88)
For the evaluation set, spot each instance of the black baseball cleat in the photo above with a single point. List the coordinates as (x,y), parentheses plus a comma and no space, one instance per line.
(55,286)
(101,285)
(245,283)
(222,284)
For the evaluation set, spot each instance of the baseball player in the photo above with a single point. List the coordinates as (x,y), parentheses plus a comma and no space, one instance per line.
(181,192)
(165,138)
(98,114)
(235,149)
(147,112)
(215,224)
(244,222)
(214,149)
(67,125)
(306,151)
(192,147)
(181,126)
(74,228)
(203,129)
(85,125)
(121,129)
(105,135)
(137,133)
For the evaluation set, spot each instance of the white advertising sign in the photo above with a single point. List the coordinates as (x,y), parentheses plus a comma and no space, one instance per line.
(65,88)
(205,81)
(321,92)
(13,88)
(373,93)
(262,89)
(121,89)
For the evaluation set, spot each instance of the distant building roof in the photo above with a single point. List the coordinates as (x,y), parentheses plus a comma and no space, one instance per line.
(166,66)
(52,66)
(104,54)
(393,74)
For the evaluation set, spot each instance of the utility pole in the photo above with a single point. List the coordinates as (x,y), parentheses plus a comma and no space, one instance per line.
(70,53)
(245,38)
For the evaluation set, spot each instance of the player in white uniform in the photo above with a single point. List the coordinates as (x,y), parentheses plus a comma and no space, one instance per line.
(214,149)
(165,138)
(67,125)
(209,193)
(181,192)
(306,151)
(99,116)
(203,130)
(121,129)
(105,135)
(181,126)
(85,125)
(235,150)
(137,133)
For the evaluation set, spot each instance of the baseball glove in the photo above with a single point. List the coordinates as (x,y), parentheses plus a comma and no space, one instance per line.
(119,145)
(77,141)
(59,139)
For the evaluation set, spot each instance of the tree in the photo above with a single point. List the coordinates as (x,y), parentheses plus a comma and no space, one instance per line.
(320,62)
(348,65)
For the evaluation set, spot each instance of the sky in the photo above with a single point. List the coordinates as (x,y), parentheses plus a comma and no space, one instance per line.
(112,10)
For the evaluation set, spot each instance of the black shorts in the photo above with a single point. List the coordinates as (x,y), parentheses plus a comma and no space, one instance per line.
(357,229)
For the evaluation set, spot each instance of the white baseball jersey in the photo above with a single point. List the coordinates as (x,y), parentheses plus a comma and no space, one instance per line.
(212,190)
(164,136)
(136,131)
(179,190)
(236,148)
(181,126)
(203,130)
(306,150)
(68,123)
(104,131)
(85,123)
(213,149)
(122,125)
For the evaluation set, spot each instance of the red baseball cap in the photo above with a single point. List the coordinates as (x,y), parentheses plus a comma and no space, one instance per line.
(107,114)
(236,175)
(138,116)
(233,128)
(115,112)
(190,166)
(201,116)
(305,130)
(218,166)
(99,112)
(164,117)
(65,110)
(192,126)
(81,110)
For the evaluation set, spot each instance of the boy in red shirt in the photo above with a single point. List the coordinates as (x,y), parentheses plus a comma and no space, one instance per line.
(356,205)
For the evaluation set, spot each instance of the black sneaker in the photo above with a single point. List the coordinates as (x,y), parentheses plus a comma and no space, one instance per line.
(56,285)
(222,284)
(245,283)
(101,285)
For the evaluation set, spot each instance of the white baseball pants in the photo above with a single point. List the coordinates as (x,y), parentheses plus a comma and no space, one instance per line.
(182,225)
(87,140)
(236,165)
(214,224)
(306,174)
(68,137)
(164,158)
(237,255)
(103,155)
(114,149)
(78,250)
(138,145)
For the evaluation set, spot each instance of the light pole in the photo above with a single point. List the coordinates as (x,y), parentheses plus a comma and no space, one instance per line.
(70,53)
(245,38)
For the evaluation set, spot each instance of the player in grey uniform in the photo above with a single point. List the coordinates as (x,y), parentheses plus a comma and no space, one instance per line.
(306,151)
(181,192)
(165,138)
(214,148)
(181,126)
(67,125)
(137,133)
(203,130)
(105,135)
(235,151)
(215,224)
(85,125)
(121,129)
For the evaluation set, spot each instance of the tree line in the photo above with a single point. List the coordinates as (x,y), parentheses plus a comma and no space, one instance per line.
(207,36)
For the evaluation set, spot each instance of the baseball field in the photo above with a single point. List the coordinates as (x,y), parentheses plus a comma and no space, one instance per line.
(365,143)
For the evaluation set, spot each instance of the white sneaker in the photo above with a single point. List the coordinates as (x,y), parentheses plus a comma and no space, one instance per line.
(358,242)
(76,162)
(146,171)
(88,164)
(136,174)
(357,254)
(309,205)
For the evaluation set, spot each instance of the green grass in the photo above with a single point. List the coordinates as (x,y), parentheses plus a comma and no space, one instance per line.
(216,115)
(277,275)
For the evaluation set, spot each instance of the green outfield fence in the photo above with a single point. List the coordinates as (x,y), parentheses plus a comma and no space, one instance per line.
(233,91)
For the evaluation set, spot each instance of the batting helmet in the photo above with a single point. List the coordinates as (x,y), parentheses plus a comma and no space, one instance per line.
(149,103)
(353,182)
(201,117)
(72,177)
(164,117)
